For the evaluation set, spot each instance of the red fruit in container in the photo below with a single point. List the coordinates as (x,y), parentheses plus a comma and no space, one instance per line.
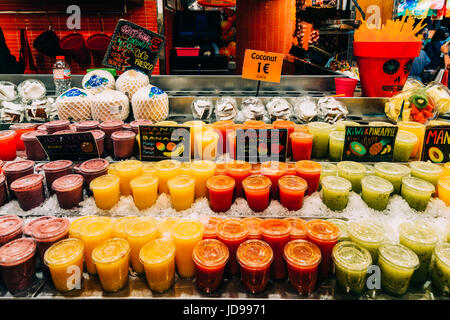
(55,169)
(109,127)
(87,125)
(29,191)
(8,145)
(123,144)
(17,169)
(69,190)
(33,148)
(220,191)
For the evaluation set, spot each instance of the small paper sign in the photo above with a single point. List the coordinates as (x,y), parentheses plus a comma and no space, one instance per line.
(369,143)
(436,144)
(133,47)
(77,146)
(164,142)
(263,66)
(261,145)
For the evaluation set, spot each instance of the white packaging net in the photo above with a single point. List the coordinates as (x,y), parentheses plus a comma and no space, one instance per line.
(74,104)
(131,81)
(150,103)
(110,105)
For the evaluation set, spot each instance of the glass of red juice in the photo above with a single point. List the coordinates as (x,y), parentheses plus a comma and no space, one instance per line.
(210,258)
(210,227)
(238,170)
(54,170)
(276,233)
(325,235)
(29,191)
(220,192)
(301,143)
(298,228)
(292,191)
(11,227)
(257,192)
(274,170)
(302,258)
(253,226)
(310,171)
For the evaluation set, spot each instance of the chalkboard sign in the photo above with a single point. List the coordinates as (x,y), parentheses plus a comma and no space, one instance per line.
(260,145)
(436,144)
(77,146)
(164,142)
(133,47)
(369,143)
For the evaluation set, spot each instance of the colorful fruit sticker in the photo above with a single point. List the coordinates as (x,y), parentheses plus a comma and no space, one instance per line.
(436,144)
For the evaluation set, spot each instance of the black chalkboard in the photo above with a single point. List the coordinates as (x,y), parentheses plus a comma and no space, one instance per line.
(436,144)
(164,142)
(133,47)
(261,145)
(79,146)
(369,143)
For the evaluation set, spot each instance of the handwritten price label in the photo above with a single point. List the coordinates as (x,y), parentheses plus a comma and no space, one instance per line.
(263,66)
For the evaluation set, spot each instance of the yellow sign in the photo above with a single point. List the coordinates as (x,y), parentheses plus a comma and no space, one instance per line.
(263,66)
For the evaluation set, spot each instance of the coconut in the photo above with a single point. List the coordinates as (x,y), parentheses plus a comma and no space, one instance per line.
(150,103)
(110,105)
(131,81)
(74,104)
(98,80)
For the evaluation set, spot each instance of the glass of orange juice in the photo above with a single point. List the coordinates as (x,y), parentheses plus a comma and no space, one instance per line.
(145,190)
(182,192)
(166,170)
(185,236)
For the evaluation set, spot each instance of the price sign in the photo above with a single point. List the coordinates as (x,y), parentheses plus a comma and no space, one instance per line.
(436,144)
(261,145)
(263,66)
(80,146)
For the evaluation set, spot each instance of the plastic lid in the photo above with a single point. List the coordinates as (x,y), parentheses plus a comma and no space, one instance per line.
(298,227)
(256,182)
(27,182)
(157,251)
(337,135)
(224,124)
(141,227)
(320,125)
(220,169)
(418,184)
(302,253)
(426,167)
(22,126)
(110,251)
(68,182)
(366,231)
(104,182)
(283,124)
(16,166)
(253,124)
(407,137)
(238,166)
(57,123)
(351,167)
(273,168)
(203,166)
(87,124)
(442,252)
(17,251)
(336,183)
(111,124)
(329,169)
(98,134)
(377,184)
(275,227)
(120,224)
(5,134)
(210,253)
(93,166)
(64,132)
(351,256)
(136,123)
(188,230)
(300,135)
(220,182)
(144,181)
(57,165)
(167,165)
(167,225)
(50,229)
(123,135)
(10,224)
(128,165)
(399,256)
(210,225)
(28,229)
(63,252)
(232,229)
(308,166)
(253,225)
(392,169)
(418,231)
(255,254)
(76,224)
(342,225)
(292,182)
(181,181)
(322,230)
(31,135)
(95,226)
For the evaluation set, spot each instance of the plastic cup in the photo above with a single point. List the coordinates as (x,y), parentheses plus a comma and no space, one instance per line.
(292,190)
(325,235)
(64,259)
(33,148)
(274,170)
(417,129)
(166,170)
(92,169)
(335,192)
(301,144)
(302,258)
(257,192)
(328,169)
(127,171)
(57,125)
(210,227)
(109,127)
(144,190)
(182,192)
(255,257)
(207,144)
(290,127)
(376,192)
(341,124)
(17,169)
(253,226)
(69,190)
(343,228)
(345,86)
(196,126)
(321,132)
(8,145)
(158,259)
(351,265)
(201,171)
(353,172)
(336,145)
(426,171)
(86,125)
(112,258)
(220,191)
(11,227)
(238,170)
(29,191)
(417,192)
(443,189)
(210,257)
(310,171)
(368,235)
(54,170)
(106,190)
(276,233)
(74,230)
(223,127)
(123,143)
(440,271)
(397,264)
(28,229)
(404,145)
(392,172)
(120,224)
(298,228)
(185,236)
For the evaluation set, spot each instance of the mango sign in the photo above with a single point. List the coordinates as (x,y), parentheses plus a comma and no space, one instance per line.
(436,145)
(262,66)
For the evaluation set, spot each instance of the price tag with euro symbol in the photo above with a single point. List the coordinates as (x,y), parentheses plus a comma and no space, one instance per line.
(262,66)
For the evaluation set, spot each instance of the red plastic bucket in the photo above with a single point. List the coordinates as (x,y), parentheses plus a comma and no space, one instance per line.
(384,66)
(98,44)
(345,86)
(75,46)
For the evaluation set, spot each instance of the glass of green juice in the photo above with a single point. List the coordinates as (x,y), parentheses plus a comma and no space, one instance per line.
(404,145)
(376,192)
(343,228)
(420,237)
(321,132)
(351,264)
(341,124)
(335,192)
(336,145)
(368,235)
(370,170)
(417,192)
(393,172)
(328,169)
(440,271)
(397,264)
(353,172)
(426,171)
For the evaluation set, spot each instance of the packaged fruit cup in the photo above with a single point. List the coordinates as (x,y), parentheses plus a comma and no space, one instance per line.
(185,235)
(127,170)
(368,235)
(253,226)
(64,259)
(292,190)
(335,192)
(182,192)
(353,172)
(301,144)
(210,257)
(274,170)
(417,129)
(207,144)
(298,228)
(220,191)
(201,171)
(328,169)
(376,192)
(325,235)
(57,125)
(86,125)
(11,227)
(54,170)
(158,259)
(440,271)
(210,224)
(120,224)
(341,124)
(392,172)
(106,190)
(426,171)
(417,192)
(8,145)
(343,228)
(257,192)
(223,127)
(33,148)
(302,258)
(420,237)
(144,190)
(17,169)
(29,191)
(397,264)
(123,143)
(351,265)
(232,232)
(255,257)
(109,127)
(310,171)
(404,145)
(92,169)
(238,170)
(321,132)
(139,122)
(140,231)
(443,189)
(112,259)
(17,263)
(92,232)
(276,233)
(336,145)
(166,170)
(69,190)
